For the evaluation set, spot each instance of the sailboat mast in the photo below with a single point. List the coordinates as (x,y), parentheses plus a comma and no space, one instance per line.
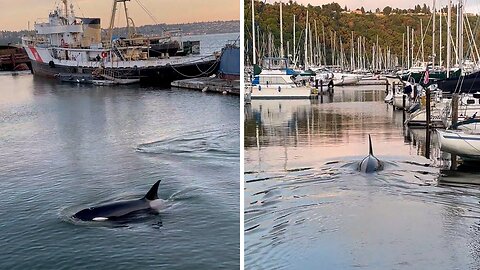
(352,56)
(457,38)
(421,40)
(440,38)
(408,47)
(294,43)
(253,33)
(305,64)
(449,23)
(324,45)
(317,62)
(460,34)
(311,44)
(341,53)
(378,54)
(413,45)
(433,33)
(281,31)
(403,50)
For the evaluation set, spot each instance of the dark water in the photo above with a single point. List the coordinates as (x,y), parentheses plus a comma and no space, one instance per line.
(66,147)
(306,206)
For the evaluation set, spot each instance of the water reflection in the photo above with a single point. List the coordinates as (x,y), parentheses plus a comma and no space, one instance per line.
(306,206)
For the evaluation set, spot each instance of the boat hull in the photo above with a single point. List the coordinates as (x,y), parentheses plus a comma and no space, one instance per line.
(398,102)
(419,118)
(158,75)
(345,81)
(460,144)
(280,93)
(464,84)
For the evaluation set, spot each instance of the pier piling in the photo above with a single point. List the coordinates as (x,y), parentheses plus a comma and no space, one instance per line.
(454,121)
(428,120)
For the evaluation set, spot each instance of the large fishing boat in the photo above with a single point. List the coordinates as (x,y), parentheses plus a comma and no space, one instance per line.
(67,46)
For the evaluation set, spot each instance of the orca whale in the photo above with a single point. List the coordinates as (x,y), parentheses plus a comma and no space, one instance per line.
(119,209)
(370,163)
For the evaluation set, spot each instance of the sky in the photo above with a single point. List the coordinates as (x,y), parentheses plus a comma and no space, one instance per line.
(15,15)
(472,6)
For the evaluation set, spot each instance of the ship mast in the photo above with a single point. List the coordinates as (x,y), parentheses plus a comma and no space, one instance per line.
(112,19)
(65,3)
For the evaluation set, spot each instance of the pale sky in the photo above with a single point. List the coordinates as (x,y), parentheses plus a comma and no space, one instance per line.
(471,5)
(15,14)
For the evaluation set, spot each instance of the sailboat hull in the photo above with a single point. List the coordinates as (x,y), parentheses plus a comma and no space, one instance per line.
(464,84)
(459,143)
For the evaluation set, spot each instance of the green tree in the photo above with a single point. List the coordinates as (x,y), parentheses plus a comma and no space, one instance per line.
(387,10)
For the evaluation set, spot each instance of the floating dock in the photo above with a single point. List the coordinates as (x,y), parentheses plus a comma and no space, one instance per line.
(209,84)
(373,82)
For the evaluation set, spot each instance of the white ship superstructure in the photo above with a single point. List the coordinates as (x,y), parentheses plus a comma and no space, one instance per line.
(67,45)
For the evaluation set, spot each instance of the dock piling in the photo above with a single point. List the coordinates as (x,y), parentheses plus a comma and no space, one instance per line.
(454,121)
(428,120)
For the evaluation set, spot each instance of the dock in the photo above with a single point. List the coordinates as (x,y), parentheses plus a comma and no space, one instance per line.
(373,82)
(210,84)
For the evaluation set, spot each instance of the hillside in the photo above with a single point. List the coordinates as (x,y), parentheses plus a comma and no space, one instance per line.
(389,25)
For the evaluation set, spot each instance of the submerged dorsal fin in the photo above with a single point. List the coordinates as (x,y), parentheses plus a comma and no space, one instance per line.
(370,145)
(152,193)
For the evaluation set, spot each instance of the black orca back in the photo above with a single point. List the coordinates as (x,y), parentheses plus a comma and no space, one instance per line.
(370,163)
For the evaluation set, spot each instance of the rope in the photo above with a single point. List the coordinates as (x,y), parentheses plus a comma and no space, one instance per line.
(147,11)
(78,6)
(199,75)
(478,150)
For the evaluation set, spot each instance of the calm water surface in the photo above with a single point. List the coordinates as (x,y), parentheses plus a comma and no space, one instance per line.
(306,206)
(66,147)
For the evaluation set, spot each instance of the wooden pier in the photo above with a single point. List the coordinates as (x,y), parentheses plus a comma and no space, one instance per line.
(209,84)
(13,58)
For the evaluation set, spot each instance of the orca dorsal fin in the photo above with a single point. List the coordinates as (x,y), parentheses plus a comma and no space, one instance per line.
(152,194)
(370,145)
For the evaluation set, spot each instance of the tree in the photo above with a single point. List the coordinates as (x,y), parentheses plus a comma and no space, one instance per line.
(417,9)
(425,9)
(387,10)
(377,10)
(363,10)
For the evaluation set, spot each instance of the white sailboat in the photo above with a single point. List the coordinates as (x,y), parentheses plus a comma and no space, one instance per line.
(460,143)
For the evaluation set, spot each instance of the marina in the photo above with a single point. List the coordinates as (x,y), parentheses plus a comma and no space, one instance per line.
(380,171)
(307,206)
